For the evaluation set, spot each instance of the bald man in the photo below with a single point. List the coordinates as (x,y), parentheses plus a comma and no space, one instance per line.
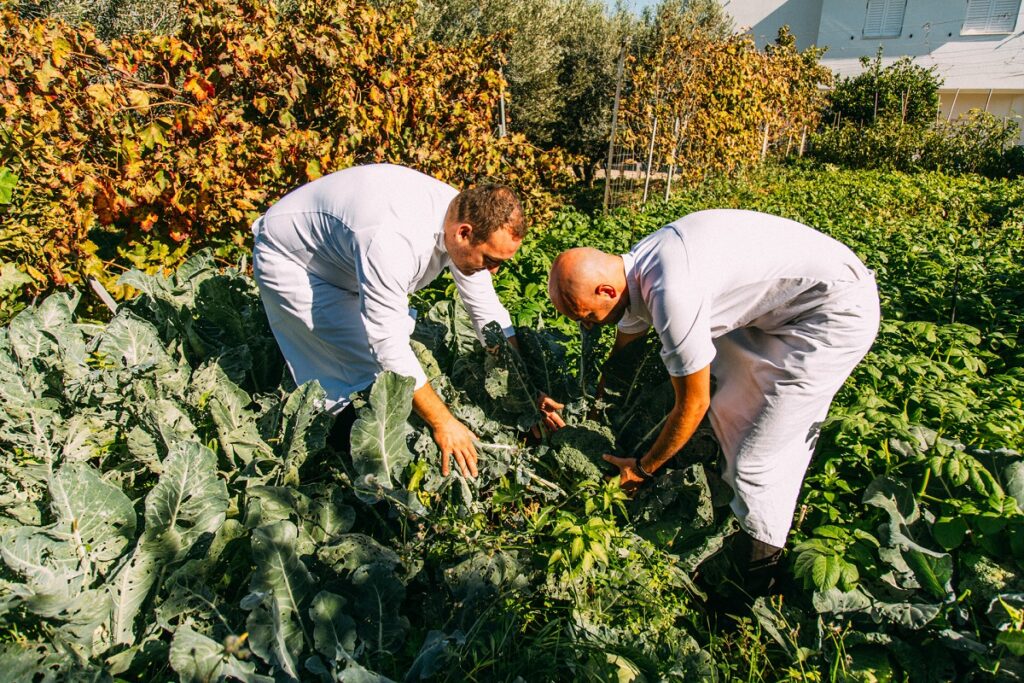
(779,313)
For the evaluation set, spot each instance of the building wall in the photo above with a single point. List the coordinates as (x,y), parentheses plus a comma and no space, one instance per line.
(763,18)
(978,71)
(932,36)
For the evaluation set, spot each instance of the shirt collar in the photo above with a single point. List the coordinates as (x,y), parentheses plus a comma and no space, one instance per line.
(633,285)
(439,243)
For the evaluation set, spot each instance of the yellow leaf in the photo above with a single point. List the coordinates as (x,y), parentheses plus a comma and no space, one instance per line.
(45,75)
(61,50)
(139,99)
(101,93)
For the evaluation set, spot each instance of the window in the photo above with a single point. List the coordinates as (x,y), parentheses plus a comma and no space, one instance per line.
(990,16)
(884,18)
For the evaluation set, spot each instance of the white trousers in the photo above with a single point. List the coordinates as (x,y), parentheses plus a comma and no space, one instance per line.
(773,391)
(317,325)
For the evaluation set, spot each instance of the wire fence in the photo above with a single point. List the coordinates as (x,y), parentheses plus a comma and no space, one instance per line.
(639,175)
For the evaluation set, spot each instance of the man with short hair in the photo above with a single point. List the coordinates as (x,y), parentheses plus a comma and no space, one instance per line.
(777,312)
(337,258)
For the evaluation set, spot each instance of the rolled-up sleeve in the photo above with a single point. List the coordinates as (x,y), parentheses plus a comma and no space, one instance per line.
(680,314)
(481,301)
(386,269)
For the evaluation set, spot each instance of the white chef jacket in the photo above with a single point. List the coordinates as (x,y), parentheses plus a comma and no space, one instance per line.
(782,313)
(336,260)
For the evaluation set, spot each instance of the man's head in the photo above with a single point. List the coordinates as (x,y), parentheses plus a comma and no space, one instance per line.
(483,228)
(589,285)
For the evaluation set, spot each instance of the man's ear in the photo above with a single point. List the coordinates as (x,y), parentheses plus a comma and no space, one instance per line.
(464,231)
(607,290)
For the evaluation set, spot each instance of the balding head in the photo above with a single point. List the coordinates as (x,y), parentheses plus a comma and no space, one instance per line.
(588,285)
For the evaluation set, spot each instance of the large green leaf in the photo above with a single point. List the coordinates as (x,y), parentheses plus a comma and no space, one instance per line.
(94,518)
(38,662)
(16,389)
(228,405)
(379,448)
(36,332)
(188,501)
(334,632)
(508,381)
(1013,476)
(374,588)
(49,567)
(909,615)
(8,181)
(131,342)
(304,429)
(279,590)
(132,585)
(198,659)
(930,569)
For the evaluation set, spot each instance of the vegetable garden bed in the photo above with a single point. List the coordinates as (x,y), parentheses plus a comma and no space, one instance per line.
(170,506)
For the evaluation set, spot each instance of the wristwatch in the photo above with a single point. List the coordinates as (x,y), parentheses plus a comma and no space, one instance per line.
(644,474)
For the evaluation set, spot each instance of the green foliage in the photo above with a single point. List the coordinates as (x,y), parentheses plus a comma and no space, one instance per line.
(886,118)
(560,58)
(112,18)
(903,90)
(974,142)
(169,505)
(134,151)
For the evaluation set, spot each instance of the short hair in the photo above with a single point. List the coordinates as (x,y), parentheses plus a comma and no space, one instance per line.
(488,208)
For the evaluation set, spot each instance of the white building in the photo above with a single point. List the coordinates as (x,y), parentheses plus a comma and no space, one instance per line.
(976,46)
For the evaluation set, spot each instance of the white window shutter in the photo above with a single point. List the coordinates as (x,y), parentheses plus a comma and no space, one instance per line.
(991,16)
(1004,16)
(884,18)
(893,24)
(976,20)
(874,18)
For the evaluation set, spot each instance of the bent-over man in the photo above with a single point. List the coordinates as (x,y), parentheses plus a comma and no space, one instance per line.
(777,312)
(336,260)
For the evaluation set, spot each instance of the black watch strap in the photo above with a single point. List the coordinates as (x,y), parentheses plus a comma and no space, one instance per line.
(644,474)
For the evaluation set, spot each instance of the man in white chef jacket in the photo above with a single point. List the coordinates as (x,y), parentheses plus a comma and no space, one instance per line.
(336,260)
(777,312)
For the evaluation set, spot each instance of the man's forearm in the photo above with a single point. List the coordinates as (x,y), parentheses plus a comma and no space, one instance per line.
(681,423)
(429,406)
(693,397)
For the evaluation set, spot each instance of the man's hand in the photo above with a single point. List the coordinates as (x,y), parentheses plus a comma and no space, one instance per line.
(454,438)
(549,408)
(629,479)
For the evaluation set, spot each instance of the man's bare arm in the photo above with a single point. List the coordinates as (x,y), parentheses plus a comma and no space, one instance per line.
(693,397)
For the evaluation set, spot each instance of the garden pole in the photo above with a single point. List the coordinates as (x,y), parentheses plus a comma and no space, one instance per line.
(949,114)
(650,159)
(615,119)
(764,143)
(803,140)
(672,164)
(501,125)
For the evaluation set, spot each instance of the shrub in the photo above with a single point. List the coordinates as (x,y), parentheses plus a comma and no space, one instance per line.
(170,142)
(975,142)
(903,90)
